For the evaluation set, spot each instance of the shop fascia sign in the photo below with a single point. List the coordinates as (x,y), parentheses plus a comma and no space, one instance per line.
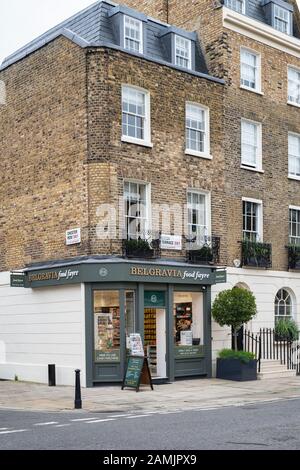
(171,273)
(62,275)
(121,272)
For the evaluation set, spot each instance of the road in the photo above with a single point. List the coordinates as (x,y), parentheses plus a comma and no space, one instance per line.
(274,425)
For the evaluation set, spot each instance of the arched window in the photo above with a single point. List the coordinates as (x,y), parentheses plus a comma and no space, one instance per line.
(283,305)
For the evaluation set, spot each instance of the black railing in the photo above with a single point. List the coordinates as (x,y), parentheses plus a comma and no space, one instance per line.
(142,249)
(207,252)
(294,256)
(256,254)
(252,343)
(273,348)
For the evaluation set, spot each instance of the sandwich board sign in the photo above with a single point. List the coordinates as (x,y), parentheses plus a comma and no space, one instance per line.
(137,373)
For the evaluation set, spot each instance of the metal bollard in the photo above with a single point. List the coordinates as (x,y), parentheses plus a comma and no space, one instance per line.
(78,401)
(51,375)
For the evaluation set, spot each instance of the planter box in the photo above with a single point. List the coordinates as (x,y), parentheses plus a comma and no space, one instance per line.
(233,369)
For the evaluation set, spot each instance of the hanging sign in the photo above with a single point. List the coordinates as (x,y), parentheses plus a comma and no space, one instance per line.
(137,373)
(155,299)
(17,280)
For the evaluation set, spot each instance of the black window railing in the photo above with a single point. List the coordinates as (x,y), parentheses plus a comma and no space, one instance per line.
(205,252)
(142,248)
(256,254)
(294,256)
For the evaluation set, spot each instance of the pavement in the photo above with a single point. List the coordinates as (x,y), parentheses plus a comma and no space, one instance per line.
(182,395)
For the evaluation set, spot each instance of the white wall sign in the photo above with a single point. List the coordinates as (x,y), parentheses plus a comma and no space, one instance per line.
(73,237)
(171,242)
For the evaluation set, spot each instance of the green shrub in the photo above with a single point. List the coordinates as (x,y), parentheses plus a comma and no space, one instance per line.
(242,356)
(286,330)
(138,245)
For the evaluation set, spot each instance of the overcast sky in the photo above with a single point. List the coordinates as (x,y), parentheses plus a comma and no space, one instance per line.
(23,20)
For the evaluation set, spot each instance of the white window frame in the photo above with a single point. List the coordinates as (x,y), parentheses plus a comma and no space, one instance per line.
(258,166)
(257,88)
(148,218)
(206,152)
(284,303)
(275,16)
(260,232)
(189,58)
(297,69)
(293,208)
(207,196)
(229,4)
(291,175)
(141,30)
(146,142)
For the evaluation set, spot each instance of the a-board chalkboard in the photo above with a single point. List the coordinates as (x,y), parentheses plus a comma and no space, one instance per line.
(137,371)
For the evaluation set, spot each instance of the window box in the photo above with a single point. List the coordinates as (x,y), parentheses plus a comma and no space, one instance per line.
(208,253)
(294,256)
(141,249)
(256,254)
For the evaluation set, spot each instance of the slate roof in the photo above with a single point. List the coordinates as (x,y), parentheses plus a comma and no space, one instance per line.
(92,27)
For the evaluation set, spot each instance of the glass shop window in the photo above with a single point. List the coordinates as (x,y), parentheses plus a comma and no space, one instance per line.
(188,319)
(107,326)
(129,316)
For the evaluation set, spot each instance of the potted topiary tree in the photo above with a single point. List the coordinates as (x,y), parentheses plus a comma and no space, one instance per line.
(233,308)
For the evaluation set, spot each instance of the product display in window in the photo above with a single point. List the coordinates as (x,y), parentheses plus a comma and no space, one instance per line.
(183,319)
(150,338)
(107,328)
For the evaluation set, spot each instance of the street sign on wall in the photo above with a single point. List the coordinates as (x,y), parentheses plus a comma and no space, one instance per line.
(73,237)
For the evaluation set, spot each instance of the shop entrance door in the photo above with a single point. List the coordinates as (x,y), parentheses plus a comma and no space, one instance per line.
(155,340)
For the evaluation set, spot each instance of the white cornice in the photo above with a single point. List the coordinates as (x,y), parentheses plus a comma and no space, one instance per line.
(260,32)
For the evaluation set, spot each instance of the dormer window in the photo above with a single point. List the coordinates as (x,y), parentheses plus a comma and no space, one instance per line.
(133,35)
(183,52)
(282,18)
(236,5)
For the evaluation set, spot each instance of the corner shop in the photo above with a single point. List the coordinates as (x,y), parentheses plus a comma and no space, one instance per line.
(168,303)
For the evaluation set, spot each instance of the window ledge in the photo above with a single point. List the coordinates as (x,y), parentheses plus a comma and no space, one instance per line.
(193,153)
(256,170)
(257,92)
(291,103)
(292,177)
(132,140)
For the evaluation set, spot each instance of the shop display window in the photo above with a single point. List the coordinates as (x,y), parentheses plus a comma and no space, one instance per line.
(107,326)
(188,323)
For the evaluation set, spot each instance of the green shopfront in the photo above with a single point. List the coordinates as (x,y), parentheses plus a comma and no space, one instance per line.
(168,303)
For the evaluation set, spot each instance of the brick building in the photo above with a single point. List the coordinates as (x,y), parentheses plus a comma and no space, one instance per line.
(172,133)
(255,47)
